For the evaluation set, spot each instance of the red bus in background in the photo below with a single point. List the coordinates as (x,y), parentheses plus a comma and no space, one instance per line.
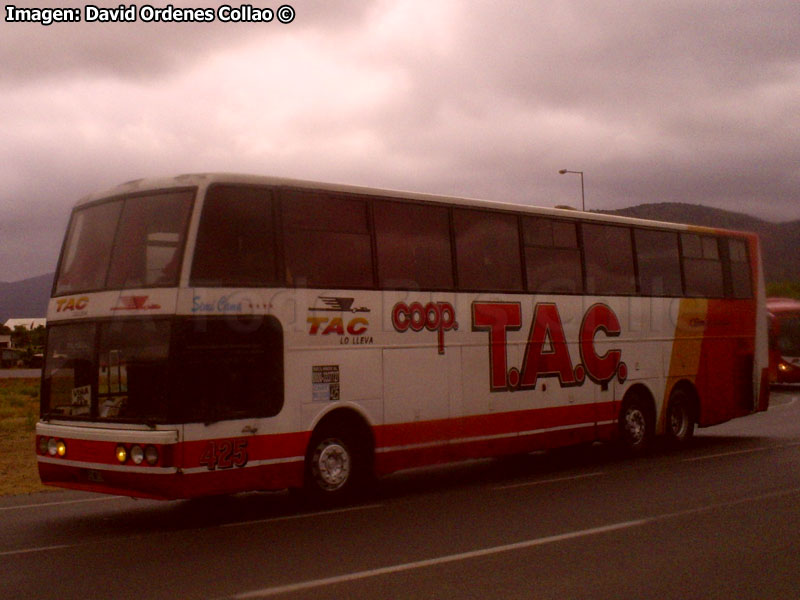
(784,340)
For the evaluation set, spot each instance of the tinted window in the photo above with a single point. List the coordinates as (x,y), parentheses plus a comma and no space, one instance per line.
(69,370)
(132,370)
(134,242)
(740,269)
(702,267)
(229,368)
(413,244)
(124,378)
(788,341)
(149,241)
(552,256)
(609,260)
(659,264)
(90,238)
(487,250)
(236,239)
(326,240)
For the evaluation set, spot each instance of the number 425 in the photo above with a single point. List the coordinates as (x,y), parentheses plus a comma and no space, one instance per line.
(224,455)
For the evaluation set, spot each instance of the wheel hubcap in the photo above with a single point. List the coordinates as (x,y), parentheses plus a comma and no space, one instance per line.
(332,465)
(635,426)
(678,421)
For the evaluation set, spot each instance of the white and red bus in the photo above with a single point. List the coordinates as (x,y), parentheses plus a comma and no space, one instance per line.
(212,334)
(784,340)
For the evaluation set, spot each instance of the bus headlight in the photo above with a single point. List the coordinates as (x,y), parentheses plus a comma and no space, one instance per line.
(122,453)
(137,454)
(52,446)
(151,455)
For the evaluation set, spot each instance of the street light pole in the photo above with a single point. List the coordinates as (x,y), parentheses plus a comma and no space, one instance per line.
(583,197)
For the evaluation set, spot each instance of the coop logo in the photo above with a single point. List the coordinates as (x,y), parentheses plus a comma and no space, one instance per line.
(546,352)
(433,316)
(135,303)
(72,304)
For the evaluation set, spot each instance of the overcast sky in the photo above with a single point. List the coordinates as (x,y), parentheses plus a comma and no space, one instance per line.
(655,101)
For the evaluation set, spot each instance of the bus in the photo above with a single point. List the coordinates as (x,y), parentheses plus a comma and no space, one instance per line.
(784,340)
(214,334)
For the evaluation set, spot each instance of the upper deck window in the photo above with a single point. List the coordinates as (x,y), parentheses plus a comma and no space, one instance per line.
(609,260)
(236,239)
(326,240)
(552,256)
(659,262)
(741,285)
(487,250)
(702,266)
(125,243)
(413,246)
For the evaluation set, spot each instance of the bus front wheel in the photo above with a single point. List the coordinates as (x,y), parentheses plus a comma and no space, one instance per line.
(334,466)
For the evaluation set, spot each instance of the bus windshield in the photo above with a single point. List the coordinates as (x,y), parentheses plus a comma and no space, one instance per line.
(116,370)
(124,243)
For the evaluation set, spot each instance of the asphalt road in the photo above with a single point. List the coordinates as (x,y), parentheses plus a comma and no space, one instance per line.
(719,519)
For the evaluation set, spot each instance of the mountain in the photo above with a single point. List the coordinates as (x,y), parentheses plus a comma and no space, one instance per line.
(26,298)
(780,242)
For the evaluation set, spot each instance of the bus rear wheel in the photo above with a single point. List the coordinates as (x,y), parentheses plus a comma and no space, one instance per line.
(680,418)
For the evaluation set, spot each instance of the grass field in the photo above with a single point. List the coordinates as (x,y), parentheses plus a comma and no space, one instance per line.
(19,411)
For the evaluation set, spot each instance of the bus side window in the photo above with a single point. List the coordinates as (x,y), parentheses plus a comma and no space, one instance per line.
(487,250)
(609,259)
(702,266)
(230,368)
(413,246)
(659,262)
(236,238)
(739,263)
(326,240)
(552,256)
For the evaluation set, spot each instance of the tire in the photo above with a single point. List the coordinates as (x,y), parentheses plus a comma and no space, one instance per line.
(636,425)
(680,418)
(336,467)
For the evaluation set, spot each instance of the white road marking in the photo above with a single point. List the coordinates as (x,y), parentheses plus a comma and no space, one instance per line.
(735,452)
(39,549)
(304,515)
(61,503)
(451,558)
(286,518)
(304,585)
(544,481)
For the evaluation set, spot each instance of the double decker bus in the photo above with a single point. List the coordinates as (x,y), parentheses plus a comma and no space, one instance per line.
(213,334)
(784,340)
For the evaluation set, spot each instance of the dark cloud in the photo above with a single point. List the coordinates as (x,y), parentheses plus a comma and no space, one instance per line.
(654,101)
(142,51)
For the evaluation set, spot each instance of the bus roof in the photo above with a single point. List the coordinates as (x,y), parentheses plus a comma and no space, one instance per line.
(206,179)
(783,305)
